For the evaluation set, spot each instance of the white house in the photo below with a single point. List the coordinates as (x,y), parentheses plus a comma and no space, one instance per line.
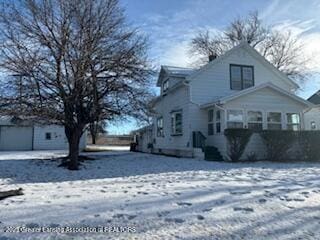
(17,134)
(240,89)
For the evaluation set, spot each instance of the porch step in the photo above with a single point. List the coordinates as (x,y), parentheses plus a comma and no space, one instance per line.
(198,153)
(212,153)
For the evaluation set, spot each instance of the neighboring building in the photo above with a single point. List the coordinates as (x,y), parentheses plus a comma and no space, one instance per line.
(312,117)
(144,138)
(112,140)
(240,89)
(17,135)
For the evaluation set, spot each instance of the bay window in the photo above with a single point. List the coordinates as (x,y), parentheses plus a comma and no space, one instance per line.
(234,119)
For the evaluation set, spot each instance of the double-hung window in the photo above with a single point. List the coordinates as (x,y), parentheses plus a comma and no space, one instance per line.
(241,77)
(176,123)
(293,121)
(234,119)
(255,120)
(160,127)
(274,120)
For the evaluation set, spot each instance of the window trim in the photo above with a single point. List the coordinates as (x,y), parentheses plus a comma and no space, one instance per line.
(173,124)
(243,117)
(165,90)
(48,136)
(248,122)
(281,123)
(160,133)
(241,67)
(286,121)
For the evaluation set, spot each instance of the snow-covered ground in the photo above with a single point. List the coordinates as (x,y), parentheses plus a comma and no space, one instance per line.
(159,197)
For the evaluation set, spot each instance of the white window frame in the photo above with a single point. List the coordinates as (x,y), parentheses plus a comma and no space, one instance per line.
(165,86)
(255,122)
(235,109)
(287,123)
(174,131)
(160,129)
(281,123)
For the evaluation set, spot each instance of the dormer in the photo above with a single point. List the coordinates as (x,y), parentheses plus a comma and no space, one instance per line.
(170,77)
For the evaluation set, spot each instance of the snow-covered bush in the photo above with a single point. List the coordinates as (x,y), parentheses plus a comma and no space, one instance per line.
(237,142)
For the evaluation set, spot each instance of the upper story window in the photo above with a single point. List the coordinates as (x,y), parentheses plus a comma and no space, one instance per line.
(165,86)
(160,127)
(241,77)
(176,123)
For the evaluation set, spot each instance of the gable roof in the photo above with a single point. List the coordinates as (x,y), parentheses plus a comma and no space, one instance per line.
(228,98)
(315,98)
(253,53)
(171,71)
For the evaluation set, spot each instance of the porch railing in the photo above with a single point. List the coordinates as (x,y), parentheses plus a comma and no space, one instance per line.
(198,140)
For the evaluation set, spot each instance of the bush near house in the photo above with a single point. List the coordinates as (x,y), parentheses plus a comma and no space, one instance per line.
(237,141)
(278,143)
(309,144)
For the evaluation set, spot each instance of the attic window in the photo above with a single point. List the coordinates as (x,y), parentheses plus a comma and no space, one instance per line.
(165,86)
(241,77)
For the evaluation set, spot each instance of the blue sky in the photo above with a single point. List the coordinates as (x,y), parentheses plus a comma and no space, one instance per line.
(170,24)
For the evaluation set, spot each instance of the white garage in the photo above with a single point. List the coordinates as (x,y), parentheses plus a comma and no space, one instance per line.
(20,135)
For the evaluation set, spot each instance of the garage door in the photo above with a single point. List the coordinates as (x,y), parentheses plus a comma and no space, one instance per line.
(15,138)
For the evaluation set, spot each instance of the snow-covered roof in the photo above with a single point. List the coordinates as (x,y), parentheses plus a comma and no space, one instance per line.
(172,71)
(315,98)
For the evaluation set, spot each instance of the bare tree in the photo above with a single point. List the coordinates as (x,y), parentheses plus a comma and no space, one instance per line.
(282,49)
(97,128)
(79,60)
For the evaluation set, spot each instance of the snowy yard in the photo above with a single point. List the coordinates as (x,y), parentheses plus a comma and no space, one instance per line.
(160,197)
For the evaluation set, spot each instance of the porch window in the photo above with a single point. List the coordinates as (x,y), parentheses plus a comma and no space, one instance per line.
(241,77)
(176,123)
(293,121)
(255,120)
(210,122)
(274,120)
(234,119)
(218,121)
(160,127)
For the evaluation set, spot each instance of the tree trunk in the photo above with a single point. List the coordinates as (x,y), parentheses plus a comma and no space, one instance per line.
(93,132)
(93,139)
(73,136)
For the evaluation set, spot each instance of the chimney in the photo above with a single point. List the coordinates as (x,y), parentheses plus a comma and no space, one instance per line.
(212,57)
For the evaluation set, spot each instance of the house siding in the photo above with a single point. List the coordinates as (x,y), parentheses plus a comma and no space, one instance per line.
(215,80)
(174,100)
(312,116)
(58,139)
